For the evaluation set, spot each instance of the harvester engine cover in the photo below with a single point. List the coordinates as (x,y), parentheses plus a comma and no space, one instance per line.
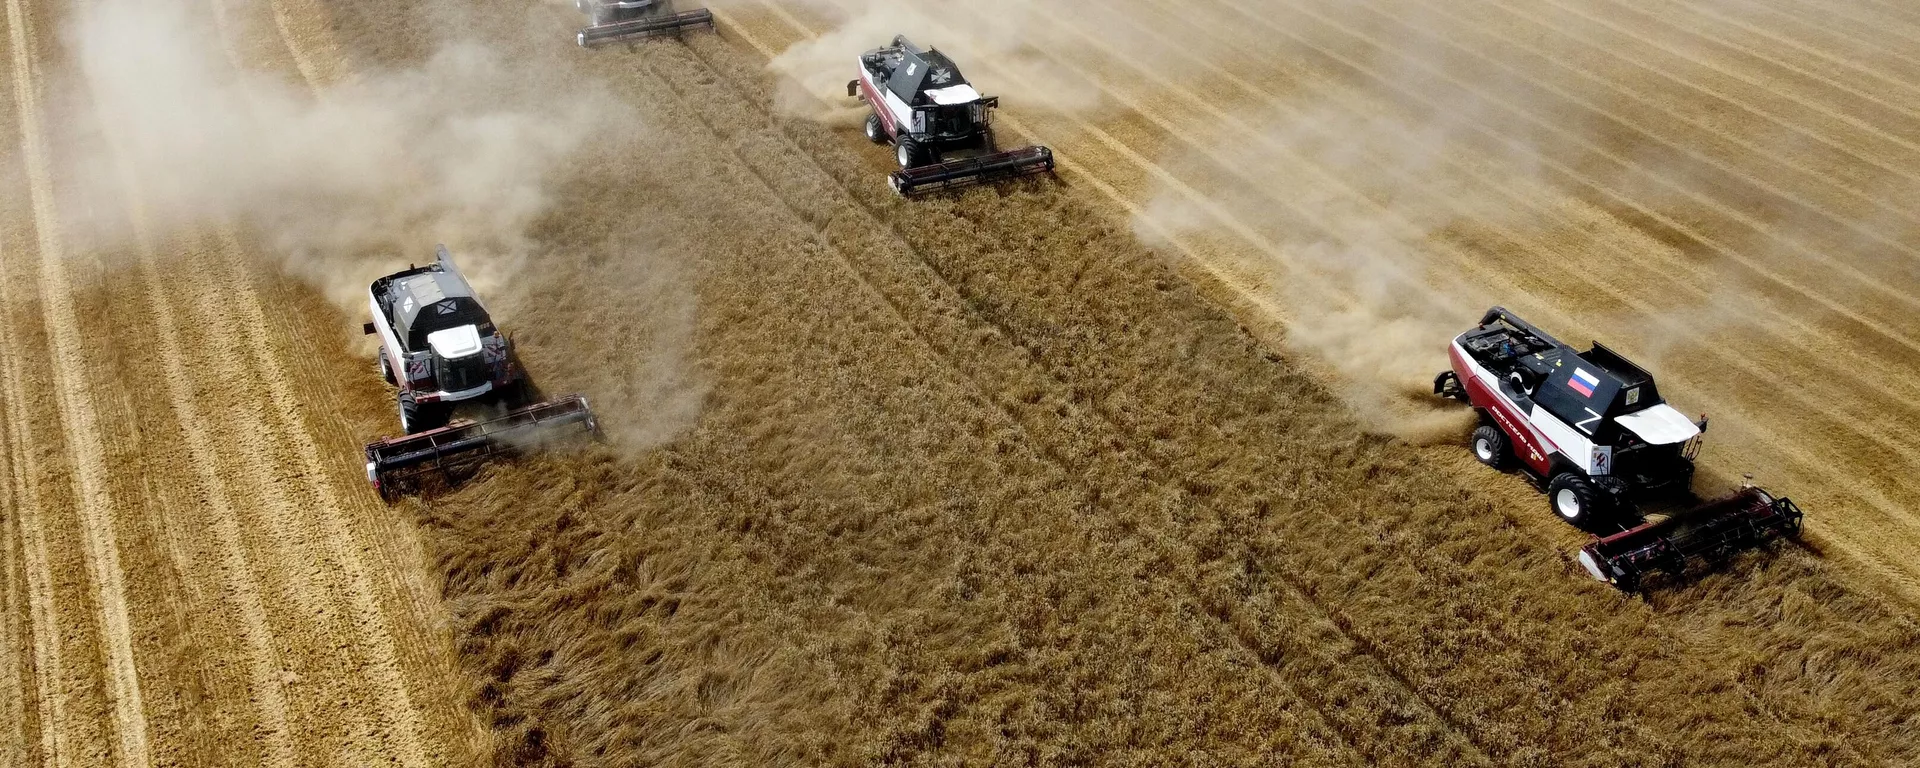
(940,127)
(1593,430)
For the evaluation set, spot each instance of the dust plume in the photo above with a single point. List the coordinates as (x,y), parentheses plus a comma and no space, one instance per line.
(997,42)
(460,148)
(482,143)
(1362,291)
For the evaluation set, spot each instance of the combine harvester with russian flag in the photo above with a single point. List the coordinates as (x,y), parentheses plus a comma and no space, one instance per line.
(1591,429)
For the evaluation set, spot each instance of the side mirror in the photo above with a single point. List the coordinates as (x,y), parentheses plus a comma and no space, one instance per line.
(1702,423)
(853,88)
(366,328)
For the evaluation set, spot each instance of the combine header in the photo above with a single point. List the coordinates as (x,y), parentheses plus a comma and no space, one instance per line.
(940,127)
(396,464)
(613,21)
(1711,533)
(441,351)
(1592,430)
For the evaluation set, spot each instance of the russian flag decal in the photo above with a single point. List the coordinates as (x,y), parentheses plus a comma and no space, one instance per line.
(1583,382)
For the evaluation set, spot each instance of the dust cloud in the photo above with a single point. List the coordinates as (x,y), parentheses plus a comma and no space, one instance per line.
(483,142)
(460,148)
(1363,293)
(996,41)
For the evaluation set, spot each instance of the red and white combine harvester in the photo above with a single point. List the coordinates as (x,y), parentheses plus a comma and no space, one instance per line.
(440,350)
(940,127)
(1592,429)
(614,21)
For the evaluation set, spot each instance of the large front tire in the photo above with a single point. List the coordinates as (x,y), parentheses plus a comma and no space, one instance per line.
(909,153)
(1574,499)
(1490,446)
(416,418)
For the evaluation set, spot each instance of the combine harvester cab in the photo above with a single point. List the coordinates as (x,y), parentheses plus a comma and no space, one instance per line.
(940,127)
(1592,429)
(614,21)
(441,351)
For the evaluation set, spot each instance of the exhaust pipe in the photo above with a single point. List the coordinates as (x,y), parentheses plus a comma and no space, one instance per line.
(1711,533)
(640,29)
(1014,163)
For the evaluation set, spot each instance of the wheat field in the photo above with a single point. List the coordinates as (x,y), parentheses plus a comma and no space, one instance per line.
(1130,466)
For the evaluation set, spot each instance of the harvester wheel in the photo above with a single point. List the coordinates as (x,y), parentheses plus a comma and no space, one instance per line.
(1573,498)
(409,413)
(910,153)
(416,418)
(386,369)
(876,132)
(1490,446)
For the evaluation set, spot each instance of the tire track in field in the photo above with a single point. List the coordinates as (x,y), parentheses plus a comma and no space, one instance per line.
(1811,255)
(1884,565)
(1328,617)
(1461,261)
(375,625)
(1807,51)
(936,350)
(18,645)
(1561,218)
(1862,131)
(1833,28)
(1748,694)
(391,608)
(1832,85)
(1055,454)
(1800,457)
(94,504)
(238,574)
(1751,152)
(1768,273)
(1243,292)
(50,705)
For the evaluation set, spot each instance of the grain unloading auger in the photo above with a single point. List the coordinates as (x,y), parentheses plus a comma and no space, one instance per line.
(1711,534)
(396,465)
(614,21)
(1592,430)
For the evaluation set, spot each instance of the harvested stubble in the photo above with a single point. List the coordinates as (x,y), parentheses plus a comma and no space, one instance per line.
(980,480)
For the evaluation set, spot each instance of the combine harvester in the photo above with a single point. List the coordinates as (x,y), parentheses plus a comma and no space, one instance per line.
(940,127)
(613,21)
(1592,430)
(440,349)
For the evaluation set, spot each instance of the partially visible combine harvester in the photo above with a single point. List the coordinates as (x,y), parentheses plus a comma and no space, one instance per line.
(613,21)
(440,349)
(940,127)
(1592,430)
